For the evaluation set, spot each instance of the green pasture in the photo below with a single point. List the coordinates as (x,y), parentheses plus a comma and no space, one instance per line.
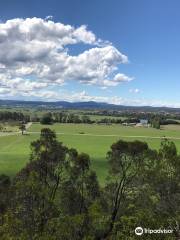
(92,139)
(115,129)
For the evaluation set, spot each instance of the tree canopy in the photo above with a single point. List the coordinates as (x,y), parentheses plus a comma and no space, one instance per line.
(57,195)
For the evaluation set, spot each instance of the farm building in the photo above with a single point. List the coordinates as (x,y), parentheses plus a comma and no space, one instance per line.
(142,123)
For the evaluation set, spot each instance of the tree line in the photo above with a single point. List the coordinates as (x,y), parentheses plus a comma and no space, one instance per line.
(6,116)
(67,117)
(156,122)
(57,195)
(62,117)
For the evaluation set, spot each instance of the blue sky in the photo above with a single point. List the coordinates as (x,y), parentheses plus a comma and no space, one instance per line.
(147,32)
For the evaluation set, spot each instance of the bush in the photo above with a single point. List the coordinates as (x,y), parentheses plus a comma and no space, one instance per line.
(46,119)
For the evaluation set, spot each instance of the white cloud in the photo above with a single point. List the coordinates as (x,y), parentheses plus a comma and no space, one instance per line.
(4,91)
(35,48)
(49,17)
(120,77)
(49,95)
(134,90)
(84,35)
(46,95)
(84,96)
(35,60)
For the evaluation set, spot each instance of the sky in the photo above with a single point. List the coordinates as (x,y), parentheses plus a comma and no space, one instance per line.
(117,51)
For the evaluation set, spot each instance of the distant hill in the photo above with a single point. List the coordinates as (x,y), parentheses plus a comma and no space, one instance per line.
(82,105)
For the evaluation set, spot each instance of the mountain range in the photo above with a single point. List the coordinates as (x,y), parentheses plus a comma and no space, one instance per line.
(90,105)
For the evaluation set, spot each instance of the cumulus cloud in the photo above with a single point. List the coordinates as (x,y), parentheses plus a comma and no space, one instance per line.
(34,53)
(118,78)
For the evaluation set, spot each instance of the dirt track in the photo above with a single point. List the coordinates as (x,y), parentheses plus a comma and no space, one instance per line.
(111,135)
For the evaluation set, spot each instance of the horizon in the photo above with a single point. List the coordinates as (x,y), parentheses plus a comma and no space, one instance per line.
(75,102)
(128,57)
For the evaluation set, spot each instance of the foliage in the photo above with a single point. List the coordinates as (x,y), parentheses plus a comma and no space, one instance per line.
(57,196)
(46,119)
(22,127)
(6,116)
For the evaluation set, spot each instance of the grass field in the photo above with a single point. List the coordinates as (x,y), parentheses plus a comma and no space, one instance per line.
(92,139)
(6,127)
